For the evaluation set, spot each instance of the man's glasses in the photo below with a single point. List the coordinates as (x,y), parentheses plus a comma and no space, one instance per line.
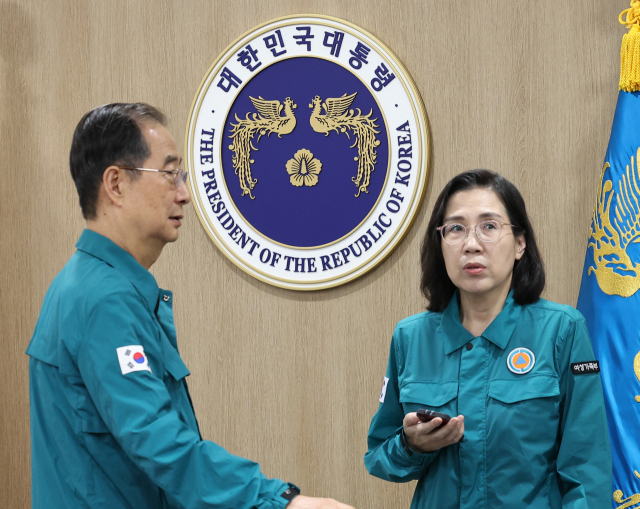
(179,174)
(454,234)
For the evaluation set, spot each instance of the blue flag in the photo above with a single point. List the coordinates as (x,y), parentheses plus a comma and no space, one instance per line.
(609,294)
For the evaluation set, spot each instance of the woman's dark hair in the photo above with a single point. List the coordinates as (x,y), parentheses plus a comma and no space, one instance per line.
(528,272)
(108,135)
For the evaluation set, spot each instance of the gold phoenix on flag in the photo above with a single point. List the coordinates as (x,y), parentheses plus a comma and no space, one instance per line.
(610,241)
(611,236)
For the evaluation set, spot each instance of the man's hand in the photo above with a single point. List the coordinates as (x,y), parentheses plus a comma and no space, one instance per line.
(423,436)
(302,502)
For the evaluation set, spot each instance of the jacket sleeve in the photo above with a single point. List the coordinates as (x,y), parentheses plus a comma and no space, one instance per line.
(386,457)
(584,455)
(138,411)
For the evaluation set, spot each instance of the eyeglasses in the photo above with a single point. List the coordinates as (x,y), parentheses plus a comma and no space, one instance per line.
(179,174)
(487,231)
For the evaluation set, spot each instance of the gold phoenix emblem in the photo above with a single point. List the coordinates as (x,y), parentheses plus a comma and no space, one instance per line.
(626,502)
(618,494)
(336,118)
(616,273)
(266,121)
(303,169)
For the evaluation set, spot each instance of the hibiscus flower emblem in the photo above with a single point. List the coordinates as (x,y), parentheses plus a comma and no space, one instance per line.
(303,168)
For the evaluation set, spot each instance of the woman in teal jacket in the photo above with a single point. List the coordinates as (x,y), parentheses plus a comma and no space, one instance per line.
(515,372)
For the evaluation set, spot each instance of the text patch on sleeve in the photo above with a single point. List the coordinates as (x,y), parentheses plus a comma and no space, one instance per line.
(583,368)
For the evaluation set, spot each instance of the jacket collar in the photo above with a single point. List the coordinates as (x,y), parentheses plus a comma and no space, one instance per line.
(499,331)
(106,250)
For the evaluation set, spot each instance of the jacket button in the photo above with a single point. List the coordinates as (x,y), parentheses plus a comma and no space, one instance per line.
(165,298)
(469,346)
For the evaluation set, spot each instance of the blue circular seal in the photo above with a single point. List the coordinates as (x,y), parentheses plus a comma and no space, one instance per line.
(308,148)
(329,206)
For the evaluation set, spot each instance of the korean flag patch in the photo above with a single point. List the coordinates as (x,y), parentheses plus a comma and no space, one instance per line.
(383,393)
(132,358)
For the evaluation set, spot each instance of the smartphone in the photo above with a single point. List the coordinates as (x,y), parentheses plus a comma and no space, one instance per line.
(427,415)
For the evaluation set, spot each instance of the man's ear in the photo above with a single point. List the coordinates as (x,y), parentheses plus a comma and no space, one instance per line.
(113,184)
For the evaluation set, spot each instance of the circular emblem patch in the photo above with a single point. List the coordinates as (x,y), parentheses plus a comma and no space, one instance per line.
(521,361)
(307,148)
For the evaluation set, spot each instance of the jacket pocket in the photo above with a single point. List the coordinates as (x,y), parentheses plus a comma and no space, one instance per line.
(523,415)
(175,372)
(434,395)
(91,422)
(176,367)
(525,388)
(174,380)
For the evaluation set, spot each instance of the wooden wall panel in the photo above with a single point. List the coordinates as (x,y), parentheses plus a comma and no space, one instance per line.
(292,379)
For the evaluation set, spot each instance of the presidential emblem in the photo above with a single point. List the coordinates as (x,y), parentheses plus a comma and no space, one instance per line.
(308,149)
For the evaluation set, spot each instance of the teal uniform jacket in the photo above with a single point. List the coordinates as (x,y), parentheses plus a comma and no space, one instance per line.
(535,435)
(104,439)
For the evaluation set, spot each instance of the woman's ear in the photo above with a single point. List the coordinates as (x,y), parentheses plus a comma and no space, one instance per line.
(521,245)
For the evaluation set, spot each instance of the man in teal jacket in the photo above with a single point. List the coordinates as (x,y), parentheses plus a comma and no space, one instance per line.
(112,425)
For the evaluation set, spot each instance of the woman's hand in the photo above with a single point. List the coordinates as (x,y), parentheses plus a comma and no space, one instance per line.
(424,437)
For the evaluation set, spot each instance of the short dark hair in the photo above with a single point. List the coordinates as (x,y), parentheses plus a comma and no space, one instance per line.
(528,273)
(108,135)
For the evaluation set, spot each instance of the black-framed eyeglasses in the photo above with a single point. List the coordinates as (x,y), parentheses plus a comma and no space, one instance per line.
(179,174)
(455,234)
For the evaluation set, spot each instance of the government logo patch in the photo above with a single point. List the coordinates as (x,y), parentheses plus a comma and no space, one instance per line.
(308,150)
(521,361)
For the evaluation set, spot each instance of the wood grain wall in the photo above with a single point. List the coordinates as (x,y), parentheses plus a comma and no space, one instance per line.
(292,379)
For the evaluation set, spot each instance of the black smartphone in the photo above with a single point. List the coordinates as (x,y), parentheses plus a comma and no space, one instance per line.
(427,415)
